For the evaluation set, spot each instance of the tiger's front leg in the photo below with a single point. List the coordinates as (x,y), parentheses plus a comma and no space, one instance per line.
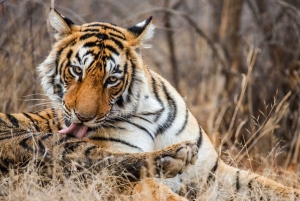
(20,146)
(165,163)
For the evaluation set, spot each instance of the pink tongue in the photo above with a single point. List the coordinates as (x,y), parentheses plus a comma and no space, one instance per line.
(78,130)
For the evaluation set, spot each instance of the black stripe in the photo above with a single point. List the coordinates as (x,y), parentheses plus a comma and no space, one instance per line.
(11,134)
(88,151)
(237,182)
(154,89)
(70,147)
(156,113)
(113,29)
(85,36)
(46,136)
(61,70)
(133,76)
(13,120)
(116,140)
(211,176)
(126,78)
(102,26)
(63,139)
(171,114)
(69,54)
(90,44)
(112,49)
(97,35)
(111,126)
(140,127)
(23,142)
(118,43)
(91,30)
(58,57)
(142,118)
(87,154)
(120,102)
(94,24)
(114,94)
(49,129)
(32,120)
(78,57)
(41,147)
(199,142)
(56,120)
(184,123)
(117,36)
(56,62)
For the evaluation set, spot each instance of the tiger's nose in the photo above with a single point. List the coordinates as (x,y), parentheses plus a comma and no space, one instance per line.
(82,118)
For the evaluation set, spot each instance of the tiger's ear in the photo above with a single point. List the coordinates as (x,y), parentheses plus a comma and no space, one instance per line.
(140,33)
(61,24)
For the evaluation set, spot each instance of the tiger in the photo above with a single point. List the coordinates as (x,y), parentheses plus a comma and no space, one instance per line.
(103,94)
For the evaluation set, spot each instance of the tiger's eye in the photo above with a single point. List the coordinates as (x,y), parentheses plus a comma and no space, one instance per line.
(77,70)
(112,79)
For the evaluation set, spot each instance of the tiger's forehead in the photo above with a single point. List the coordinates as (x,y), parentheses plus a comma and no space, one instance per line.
(105,29)
(90,57)
(92,45)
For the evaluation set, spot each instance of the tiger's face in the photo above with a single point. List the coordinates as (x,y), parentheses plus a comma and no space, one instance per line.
(92,70)
(93,81)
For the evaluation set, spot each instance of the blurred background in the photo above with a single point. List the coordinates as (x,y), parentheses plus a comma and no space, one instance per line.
(236,62)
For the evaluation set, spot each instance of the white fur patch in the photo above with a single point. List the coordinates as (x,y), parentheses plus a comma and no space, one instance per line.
(85,59)
(148,36)
(141,24)
(58,23)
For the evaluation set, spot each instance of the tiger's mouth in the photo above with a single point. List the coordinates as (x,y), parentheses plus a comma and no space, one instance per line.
(77,129)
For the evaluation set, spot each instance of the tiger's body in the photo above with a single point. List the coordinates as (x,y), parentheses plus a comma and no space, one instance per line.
(32,138)
(96,78)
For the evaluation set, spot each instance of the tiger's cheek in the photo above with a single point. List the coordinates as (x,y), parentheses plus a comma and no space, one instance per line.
(104,106)
(70,97)
(116,91)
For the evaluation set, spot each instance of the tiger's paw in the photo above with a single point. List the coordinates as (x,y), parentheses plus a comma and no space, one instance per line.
(175,159)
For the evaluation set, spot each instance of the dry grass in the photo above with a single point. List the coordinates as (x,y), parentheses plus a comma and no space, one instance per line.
(28,184)
(251,114)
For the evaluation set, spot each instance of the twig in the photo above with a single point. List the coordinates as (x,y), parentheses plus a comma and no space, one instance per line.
(250,61)
(282,109)
(170,41)
(2,6)
(289,7)
(188,19)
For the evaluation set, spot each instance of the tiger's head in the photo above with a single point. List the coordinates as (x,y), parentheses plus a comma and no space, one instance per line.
(93,70)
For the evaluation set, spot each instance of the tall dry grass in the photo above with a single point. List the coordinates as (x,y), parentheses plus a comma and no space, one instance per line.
(250,110)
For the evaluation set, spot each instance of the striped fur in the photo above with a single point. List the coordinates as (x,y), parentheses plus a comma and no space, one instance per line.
(25,138)
(96,77)
(24,144)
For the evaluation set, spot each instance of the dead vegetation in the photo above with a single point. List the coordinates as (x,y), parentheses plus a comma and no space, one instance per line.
(248,106)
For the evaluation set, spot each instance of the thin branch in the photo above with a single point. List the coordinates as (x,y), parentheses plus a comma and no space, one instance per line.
(170,41)
(188,19)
